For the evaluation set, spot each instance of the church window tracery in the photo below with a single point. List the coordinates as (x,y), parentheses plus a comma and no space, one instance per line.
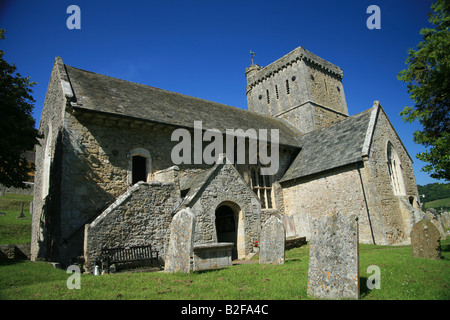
(395,170)
(262,186)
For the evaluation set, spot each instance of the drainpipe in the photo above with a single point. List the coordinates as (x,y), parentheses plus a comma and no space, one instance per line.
(365,202)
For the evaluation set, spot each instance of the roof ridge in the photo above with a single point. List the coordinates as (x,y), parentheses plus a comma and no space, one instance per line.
(176,93)
(102,93)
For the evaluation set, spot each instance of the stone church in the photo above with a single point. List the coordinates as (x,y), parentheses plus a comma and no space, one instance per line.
(106,177)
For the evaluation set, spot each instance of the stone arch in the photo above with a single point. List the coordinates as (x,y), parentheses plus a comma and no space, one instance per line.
(229,226)
(395,170)
(141,157)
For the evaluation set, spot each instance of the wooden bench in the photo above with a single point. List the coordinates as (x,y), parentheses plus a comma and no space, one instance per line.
(110,256)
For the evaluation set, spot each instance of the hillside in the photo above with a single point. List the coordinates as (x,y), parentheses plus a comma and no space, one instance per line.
(434,191)
(435,195)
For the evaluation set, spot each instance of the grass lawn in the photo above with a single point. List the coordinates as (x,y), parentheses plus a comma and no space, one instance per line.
(438,204)
(402,276)
(13,230)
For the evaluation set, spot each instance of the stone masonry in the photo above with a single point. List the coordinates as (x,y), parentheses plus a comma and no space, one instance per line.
(105,175)
(333,271)
(180,255)
(141,216)
(425,241)
(272,245)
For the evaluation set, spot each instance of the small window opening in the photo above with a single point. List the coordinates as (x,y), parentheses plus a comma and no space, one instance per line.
(139,172)
(268,97)
(276,91)
(287,87)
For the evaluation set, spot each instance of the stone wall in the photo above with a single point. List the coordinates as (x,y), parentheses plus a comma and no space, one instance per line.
(364,189)
(45,237)
(97,161)
(226,187)
(324,116)
(141,216)
(293,86)
(326,88)
(15,252)
(97,166)
(381,194)
(337,190)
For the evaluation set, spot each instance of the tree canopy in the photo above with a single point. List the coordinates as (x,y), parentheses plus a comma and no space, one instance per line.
(17,131)
(428,81)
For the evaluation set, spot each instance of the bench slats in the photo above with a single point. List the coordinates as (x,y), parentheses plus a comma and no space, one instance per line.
(111,256)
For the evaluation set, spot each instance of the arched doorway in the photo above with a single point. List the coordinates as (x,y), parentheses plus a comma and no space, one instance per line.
(229,227)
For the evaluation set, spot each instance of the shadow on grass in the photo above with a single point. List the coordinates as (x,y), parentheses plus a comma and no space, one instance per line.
(9,262)
(363,290)
(292,260)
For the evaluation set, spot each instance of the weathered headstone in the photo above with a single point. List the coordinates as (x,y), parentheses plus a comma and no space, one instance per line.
(425,240)
(434,220)
(181,243)
(272,242)
(446,219)
(21,215)
(333,271)
(288,223)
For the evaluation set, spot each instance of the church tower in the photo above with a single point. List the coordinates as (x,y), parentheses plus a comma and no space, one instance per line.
(300,87)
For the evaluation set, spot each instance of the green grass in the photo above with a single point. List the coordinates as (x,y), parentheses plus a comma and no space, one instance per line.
(402,278)
(13,230)
(438,204)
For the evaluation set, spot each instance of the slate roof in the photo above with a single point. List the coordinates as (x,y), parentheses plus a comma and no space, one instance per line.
(100,93)
(339,144)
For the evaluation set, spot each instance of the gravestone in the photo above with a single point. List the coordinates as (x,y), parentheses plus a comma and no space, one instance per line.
(288,223)
(21,215)
(425,240)
(446,219)
(272,242)
(333,271)
(180,253)
(432,216)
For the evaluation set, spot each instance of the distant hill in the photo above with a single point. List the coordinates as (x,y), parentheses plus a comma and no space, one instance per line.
(434,191)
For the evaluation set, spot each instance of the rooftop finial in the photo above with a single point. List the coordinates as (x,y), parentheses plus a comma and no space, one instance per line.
(253,55)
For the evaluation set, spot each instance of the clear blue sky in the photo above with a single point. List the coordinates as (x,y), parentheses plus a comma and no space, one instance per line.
(202,47)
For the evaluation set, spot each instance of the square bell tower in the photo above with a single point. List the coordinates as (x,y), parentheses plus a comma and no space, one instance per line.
(300,87)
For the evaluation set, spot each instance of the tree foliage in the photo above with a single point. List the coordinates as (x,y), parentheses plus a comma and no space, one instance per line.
(428,81)
(17,132)
(434,191)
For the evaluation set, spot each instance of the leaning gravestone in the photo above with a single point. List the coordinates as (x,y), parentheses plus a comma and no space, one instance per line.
(272,242)
(333,271)
(181,243)
(425,240)
(446,219)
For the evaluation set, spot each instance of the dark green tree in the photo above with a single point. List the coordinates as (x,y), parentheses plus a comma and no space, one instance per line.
(428,81)
(17,132)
